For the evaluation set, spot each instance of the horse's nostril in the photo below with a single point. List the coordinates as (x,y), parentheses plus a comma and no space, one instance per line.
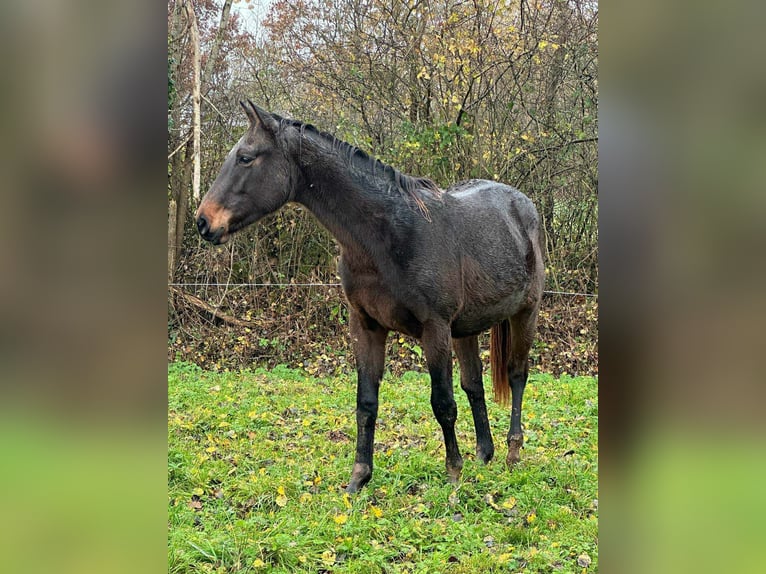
(202,224)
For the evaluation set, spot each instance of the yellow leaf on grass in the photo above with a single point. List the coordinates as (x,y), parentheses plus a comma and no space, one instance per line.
(328,557)
(346,500)
(509,503)
(376,512)
(341,519)
(282,498)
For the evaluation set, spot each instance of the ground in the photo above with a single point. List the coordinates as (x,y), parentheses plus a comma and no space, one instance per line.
(257,461)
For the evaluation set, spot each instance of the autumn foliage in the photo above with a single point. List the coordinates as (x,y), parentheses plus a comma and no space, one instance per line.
(450,90)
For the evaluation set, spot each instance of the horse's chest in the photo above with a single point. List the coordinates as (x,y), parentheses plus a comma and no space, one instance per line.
(372,299)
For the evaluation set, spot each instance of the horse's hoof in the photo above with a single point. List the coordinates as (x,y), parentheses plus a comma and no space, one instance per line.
(514,446)
(512,458)
(485,454)
(454,471)
(360,476)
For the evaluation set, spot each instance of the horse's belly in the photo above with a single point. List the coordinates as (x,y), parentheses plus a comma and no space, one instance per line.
(469,327)
(476,318)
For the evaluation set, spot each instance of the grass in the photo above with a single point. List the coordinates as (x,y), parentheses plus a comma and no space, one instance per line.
(257,461)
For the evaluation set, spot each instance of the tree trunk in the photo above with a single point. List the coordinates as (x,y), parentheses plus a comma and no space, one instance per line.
(172,258)
(183,201)
(179,205)
(194,38)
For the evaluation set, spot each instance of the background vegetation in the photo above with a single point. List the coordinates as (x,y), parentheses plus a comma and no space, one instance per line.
(450,89)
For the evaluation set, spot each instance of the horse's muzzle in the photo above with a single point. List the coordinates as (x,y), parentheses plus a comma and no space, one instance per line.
(215,236)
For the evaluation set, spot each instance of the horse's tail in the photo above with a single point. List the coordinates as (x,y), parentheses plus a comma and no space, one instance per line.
(499,359)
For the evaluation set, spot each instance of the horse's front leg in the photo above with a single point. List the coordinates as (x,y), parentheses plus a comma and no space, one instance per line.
(436,344)
(369,341)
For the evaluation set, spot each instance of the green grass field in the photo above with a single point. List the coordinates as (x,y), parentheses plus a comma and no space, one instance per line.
(257,461)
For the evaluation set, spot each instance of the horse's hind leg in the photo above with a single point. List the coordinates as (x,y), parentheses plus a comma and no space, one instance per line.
(522,334)
(369,340)
(436,344)
(467,351)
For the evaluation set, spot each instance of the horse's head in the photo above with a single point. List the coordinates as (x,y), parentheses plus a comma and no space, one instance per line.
(256,179)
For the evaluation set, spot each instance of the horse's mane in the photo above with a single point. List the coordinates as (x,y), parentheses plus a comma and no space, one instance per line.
(409,186)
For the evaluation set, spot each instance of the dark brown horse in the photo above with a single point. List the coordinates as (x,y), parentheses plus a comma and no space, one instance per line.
(441,266)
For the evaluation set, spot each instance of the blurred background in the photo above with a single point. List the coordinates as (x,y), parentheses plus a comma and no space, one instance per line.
(82,287)
(91,102)
(682,296)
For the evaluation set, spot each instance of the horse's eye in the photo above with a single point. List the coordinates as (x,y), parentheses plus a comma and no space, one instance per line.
(245,160)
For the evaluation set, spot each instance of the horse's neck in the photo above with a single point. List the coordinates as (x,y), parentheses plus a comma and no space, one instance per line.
(355,208)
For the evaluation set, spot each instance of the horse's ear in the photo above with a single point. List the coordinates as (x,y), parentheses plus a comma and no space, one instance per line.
(263,119)
(250,113)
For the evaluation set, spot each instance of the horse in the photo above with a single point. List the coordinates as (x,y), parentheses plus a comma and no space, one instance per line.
(442,266)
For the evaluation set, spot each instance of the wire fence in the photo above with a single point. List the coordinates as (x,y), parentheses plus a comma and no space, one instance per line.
(290,332)
(571,293)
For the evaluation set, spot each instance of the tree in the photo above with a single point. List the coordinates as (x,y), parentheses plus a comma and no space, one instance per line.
(187,166)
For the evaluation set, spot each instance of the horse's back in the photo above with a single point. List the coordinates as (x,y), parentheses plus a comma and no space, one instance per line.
(489,198)
(493,218)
